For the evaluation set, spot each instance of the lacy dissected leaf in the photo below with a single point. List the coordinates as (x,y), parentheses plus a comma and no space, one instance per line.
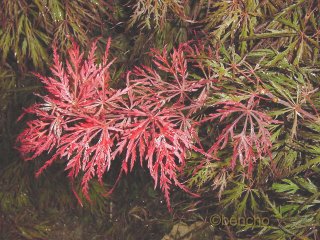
(154,136)
(85,122)
(75,117)
(155,13)
(170,80)
(248,131)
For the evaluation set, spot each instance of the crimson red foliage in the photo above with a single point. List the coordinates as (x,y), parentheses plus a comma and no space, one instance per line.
(87,123)
(249,144)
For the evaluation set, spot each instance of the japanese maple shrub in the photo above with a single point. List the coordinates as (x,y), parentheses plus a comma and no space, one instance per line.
(155,119)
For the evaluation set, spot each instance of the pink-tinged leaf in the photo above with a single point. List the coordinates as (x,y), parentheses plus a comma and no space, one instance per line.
(70,121)
(252,141)
(89,124)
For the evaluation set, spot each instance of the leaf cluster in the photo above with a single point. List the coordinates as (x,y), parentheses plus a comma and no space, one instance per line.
(222,94)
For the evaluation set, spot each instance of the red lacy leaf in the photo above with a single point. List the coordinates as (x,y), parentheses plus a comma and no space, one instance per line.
(89,124)
(75,118)
(85,122)
(252,141)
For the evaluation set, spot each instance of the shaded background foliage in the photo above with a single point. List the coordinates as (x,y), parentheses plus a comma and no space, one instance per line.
(270,48)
